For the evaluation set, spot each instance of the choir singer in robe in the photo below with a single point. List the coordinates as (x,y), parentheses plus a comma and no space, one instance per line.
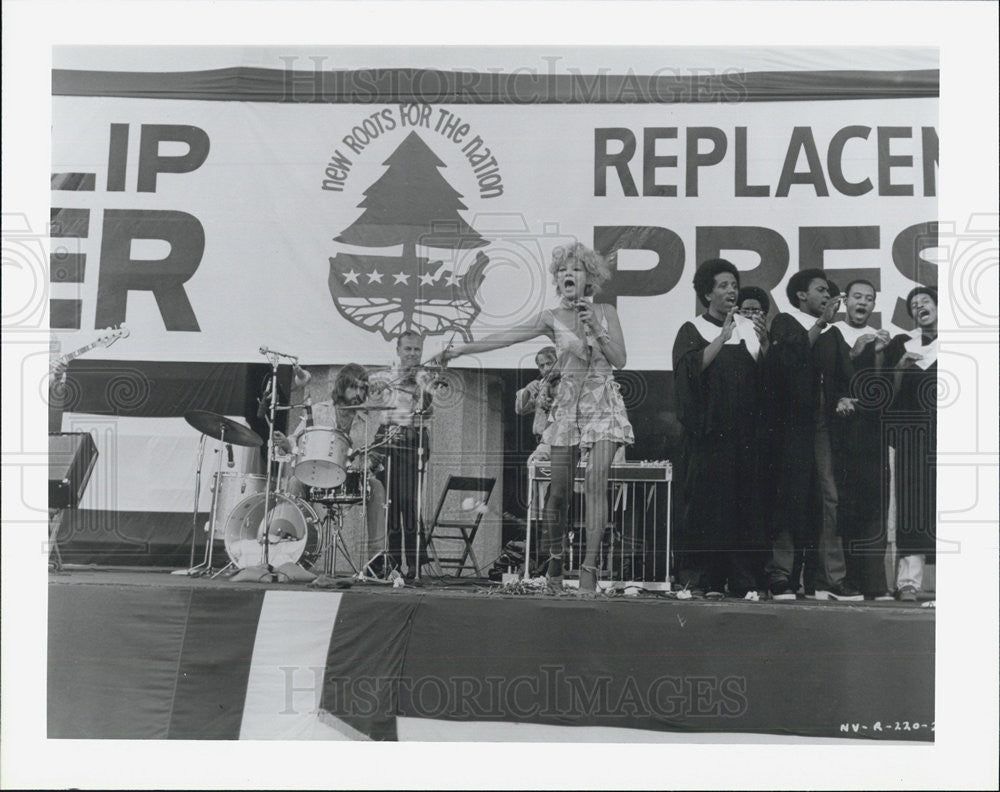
(716,359)
(857,391)
(804,513)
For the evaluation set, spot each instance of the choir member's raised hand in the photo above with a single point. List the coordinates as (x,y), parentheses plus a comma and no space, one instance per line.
(760,327)
(861,343)
(908,359)
(729,324)
(830,311)
(882,339)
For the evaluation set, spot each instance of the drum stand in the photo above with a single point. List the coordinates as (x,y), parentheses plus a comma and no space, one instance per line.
(205,567)
(192,569)
(331,539)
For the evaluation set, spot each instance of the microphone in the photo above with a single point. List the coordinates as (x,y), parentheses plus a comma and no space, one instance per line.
(580,306)
(229,453)
(266,351)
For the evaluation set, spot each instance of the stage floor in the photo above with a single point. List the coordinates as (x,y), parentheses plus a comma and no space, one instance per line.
(448,587)
(137,653)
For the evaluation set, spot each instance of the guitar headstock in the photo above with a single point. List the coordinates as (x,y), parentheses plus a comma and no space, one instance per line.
(112,334)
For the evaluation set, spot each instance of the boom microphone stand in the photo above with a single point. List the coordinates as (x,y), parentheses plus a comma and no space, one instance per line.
(197,495)
(272,358)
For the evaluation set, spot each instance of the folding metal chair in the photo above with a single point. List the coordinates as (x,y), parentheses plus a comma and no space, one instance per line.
(455,521)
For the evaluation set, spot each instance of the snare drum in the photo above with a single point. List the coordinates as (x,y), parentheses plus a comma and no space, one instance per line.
(293,528)
(322,457)
(351,492)
(231,489)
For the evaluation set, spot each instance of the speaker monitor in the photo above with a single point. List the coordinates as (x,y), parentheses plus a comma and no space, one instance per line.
(72,456)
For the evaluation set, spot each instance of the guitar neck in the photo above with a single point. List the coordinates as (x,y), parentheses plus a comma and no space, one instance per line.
(76,353)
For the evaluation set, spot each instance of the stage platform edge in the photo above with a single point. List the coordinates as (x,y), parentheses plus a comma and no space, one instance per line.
(136,655)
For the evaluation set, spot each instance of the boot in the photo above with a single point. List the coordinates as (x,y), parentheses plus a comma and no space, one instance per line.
(588,580)
(554,574)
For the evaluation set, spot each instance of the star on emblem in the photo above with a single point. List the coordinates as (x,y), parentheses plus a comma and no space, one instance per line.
(374,276)
(426,279)
(452,279)
(350,277)
(401,277)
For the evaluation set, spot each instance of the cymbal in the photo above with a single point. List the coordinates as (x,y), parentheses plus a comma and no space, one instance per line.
(213,424)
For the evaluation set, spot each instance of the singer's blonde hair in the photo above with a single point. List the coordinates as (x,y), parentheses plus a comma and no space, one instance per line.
(597,269)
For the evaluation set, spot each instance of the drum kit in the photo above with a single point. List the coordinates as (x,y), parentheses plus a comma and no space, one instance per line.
(267,521)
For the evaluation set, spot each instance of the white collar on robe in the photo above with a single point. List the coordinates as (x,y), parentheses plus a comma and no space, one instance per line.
(851,333)
(807,320)
(742,331)
(916,345)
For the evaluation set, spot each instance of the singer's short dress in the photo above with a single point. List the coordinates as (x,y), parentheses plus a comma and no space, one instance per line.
(588,404)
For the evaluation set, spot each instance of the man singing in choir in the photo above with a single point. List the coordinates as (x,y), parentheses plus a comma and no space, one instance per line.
(852,360)
(912,421)
(716,361)
(804,512)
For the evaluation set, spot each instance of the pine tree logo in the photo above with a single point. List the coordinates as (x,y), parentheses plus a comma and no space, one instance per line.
(410,204)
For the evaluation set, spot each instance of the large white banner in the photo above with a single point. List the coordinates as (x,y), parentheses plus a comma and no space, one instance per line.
(213,228)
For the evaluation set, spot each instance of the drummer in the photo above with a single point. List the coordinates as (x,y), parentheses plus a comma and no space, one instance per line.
(350,388)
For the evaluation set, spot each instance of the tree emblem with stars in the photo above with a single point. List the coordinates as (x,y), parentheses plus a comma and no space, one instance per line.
(410,204)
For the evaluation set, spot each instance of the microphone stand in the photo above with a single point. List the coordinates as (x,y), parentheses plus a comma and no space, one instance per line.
(192,569)
(421,466)
(273,359)
(420,479)
(427,388)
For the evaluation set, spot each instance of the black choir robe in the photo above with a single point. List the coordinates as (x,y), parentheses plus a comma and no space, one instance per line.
(911,423)
(719,409)
(859,463)
(856,439)
(792,398)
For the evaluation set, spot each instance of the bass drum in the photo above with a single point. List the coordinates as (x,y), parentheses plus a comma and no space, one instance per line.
(294,532)
(232,488)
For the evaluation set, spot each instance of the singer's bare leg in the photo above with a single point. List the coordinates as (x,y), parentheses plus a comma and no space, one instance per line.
(556,511)
(598,469)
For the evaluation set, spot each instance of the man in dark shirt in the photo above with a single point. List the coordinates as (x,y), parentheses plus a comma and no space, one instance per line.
(404,389)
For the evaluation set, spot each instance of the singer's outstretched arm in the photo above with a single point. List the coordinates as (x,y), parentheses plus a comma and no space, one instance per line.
(504,338)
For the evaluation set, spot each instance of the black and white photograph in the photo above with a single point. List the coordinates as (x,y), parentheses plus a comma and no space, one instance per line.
(628,397)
